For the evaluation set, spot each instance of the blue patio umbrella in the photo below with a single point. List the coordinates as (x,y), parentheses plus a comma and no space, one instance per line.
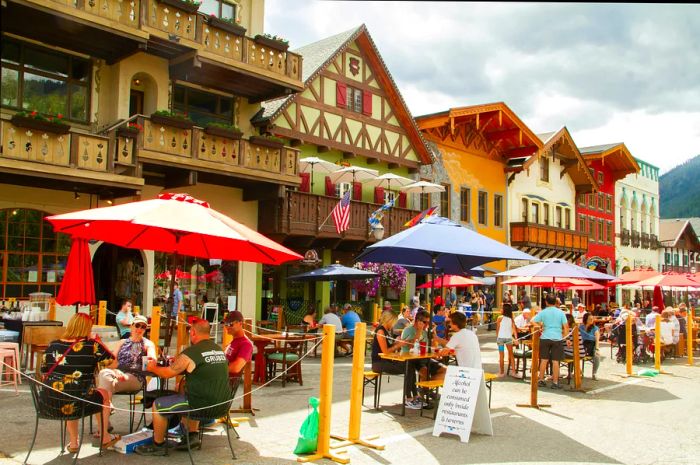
(335,272)
(440,244)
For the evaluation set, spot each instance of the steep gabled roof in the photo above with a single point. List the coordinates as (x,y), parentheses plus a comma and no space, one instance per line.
(616,156)
(319,55)
(671,231)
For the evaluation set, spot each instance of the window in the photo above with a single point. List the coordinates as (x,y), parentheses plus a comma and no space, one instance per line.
(498,210)
(675,259)
(445,201)
(591,200)
(557,217)
(582,200)
(685,260)
(220,8)
(544,169)
(545,213)
(581,224)
(465,213)
(424,201)
(202,107)
(601,232)
(611,234)
(535,213)
(483,207)
(34,255)
(355,101)
(567,218)
(601,201)
(667,258)
(35,78)
(342,187)
(608,203)
(591,229)
(524,209)
(601,178)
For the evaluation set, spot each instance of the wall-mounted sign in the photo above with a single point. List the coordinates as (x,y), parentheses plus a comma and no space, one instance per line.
(311,258)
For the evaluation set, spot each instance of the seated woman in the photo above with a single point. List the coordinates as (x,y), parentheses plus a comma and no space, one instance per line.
(668,331)
(590,335)
(128,376)
(69,366)
(309,320)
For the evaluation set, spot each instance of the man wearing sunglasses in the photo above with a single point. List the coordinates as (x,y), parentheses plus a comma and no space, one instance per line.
(240,351)
(128,376)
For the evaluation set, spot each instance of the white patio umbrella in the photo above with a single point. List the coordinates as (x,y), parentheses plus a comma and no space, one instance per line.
(354,173)
(386,180)
(308,164)
(423,187)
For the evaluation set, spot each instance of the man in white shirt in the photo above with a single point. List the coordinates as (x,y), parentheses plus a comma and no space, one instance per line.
(521,321)
(463,342)
(331,318)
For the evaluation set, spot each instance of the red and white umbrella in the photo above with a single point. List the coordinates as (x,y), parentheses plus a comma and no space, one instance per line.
(669,280)
(451,281)
(632,277)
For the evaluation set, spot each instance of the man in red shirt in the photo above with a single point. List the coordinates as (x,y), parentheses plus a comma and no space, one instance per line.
(240,350)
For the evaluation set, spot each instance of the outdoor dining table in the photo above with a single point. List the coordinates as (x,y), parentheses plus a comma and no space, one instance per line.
(261,341)
(405,358)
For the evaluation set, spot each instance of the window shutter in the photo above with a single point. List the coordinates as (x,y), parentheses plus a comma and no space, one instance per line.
(305,185)
(330,187)
(402,200)
(379,195)
(341,95)
(357,191)
(366,103)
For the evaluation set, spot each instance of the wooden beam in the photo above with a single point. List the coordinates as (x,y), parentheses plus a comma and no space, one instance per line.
(413,170)
(502,134)
(263,192)
(347,155)
(184,178)
(295,142)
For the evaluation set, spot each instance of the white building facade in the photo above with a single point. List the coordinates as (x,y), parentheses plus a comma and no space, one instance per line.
(637,219)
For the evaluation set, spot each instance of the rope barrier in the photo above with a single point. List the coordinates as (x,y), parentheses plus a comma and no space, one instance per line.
(46,386)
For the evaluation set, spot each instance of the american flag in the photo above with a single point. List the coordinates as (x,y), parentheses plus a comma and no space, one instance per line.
(341,213)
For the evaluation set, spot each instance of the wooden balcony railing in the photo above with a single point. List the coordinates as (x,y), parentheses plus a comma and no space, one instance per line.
(635,239)
(124,12)
(625,237)
(547,237)
(303,214)
(654,243)
(644,240)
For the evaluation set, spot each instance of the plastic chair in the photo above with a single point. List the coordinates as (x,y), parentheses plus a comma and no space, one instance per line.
(8,368)
(50,408)
(15,347)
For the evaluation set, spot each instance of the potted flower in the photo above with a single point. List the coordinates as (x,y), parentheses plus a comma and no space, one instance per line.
(228,131)
(276,42)
(190,6)
(131,130)
(172,118)
(227,24)
(41,122)
(267,141)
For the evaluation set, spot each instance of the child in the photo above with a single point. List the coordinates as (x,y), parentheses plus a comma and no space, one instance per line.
(505,335)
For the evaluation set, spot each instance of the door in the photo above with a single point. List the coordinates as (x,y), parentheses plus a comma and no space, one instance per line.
(135,102)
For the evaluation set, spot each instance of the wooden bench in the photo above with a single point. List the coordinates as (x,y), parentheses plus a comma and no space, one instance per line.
(372,378)
(432,385)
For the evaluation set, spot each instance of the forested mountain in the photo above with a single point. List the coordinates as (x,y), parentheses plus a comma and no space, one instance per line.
(679,190)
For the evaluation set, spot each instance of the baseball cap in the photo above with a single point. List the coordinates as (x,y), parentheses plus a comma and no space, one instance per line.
(580,306)
(139,319)
(233,316)
(526,310)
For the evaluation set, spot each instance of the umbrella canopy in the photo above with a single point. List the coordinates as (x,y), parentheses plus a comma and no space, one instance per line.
(424,187)
(215,276)
(450,281)
(353,173)
(669,280)
(633,276)
(390,179)
(179,274)
(311,164)
(77,287)
(555,268)
(334,272)
(546,281)
(173,223)
(442,244)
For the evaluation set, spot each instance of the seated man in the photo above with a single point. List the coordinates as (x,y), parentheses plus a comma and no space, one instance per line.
(330,317)
(523,320)
(240,351)
(463,342)
(349,319)
(206,373)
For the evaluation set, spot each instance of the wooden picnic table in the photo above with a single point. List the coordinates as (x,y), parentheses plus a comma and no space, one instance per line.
(405,358)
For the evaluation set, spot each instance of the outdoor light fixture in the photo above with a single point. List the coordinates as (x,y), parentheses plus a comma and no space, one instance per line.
(378,232)
(137,82)
(110,201)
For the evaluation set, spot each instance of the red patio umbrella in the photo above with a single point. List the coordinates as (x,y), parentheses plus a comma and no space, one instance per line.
(450,281)
(633,276)
(658,298)
(77,287)
(548,281)
(669,279)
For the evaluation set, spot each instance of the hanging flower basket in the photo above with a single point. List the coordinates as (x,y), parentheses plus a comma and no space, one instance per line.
(188,6)
(266,142)
(173,121)
(42,124)
(227,26)
(280,45)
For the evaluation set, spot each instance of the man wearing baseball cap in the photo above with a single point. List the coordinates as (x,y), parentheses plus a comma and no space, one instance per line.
(240,351)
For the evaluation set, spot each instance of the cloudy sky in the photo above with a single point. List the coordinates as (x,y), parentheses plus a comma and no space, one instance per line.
(610,73)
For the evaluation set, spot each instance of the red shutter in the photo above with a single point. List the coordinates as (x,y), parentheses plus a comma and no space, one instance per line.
(305,185)
(330,187)
(402,200)
(357,191)
(366,103)
(379,195)
(341,95)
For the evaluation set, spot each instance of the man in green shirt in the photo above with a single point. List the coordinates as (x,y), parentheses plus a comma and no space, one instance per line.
(205,368)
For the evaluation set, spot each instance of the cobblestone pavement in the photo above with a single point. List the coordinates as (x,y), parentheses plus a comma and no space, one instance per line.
(619,420)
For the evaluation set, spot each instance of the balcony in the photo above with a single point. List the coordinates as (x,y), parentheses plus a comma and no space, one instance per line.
(217,55)
(625,237)
(635,239)
(548,241)
(297,217)
(654,243)
(68,159)
(645,241)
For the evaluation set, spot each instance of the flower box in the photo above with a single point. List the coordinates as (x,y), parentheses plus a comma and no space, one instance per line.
(185,6)
(219,23)
(223,132)
(171,121)
(265,142)
(44,126)
(270,43)
(127,132)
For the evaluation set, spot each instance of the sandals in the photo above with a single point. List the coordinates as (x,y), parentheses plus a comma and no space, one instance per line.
(113,438)
(72,450)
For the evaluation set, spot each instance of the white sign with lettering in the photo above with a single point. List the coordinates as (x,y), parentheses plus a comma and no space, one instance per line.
(463,404)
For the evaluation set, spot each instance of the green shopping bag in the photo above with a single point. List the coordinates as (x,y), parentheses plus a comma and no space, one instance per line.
(308,434)
(648,372)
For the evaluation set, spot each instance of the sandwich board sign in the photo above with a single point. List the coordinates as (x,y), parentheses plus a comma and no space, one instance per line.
(463,404)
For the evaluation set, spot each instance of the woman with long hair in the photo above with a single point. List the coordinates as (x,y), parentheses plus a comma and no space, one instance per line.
(68,366)
(590,335)
(505,335)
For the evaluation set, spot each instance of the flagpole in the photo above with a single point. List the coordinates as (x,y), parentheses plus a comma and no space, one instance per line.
(324,221)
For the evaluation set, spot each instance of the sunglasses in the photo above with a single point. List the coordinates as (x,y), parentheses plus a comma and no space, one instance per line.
(140,326)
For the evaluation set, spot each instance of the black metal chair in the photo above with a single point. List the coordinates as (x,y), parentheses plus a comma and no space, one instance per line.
(132,407)
(218,411)
(53,408)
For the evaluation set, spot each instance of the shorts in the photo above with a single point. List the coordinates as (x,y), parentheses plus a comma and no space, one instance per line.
(502,342)
(551,350)
(172,404)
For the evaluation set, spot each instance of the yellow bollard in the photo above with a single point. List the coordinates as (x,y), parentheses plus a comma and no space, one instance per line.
(326,399)
(577,361)
(102,313)
(689,330)
(629,346)
(356,385)
(155,326)
(534,372)
(657,343)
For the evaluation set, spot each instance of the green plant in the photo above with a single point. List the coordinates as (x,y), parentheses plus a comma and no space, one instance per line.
(35,115)
(134,127)
(228,127)
(192,2)
(275,38)
(226,20)
(271,138)
(172,114)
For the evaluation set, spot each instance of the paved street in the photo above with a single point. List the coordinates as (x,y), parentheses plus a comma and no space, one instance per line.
(631,421)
